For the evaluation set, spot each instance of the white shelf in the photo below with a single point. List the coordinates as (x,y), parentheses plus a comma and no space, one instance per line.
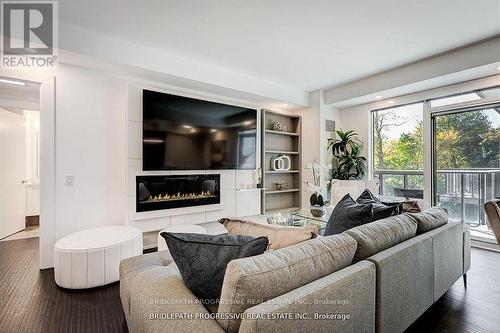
(280,172)
(283,191)
(282,133)
(250,189)
(282,152)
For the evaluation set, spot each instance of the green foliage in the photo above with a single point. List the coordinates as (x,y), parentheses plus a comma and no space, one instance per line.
(467,140)
(463,140)
(406,153)
(344,143)
(346,149)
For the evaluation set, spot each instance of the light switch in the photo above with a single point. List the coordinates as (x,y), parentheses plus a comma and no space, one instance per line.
(70,180)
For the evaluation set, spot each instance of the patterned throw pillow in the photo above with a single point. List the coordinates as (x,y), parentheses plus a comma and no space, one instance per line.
(202,259)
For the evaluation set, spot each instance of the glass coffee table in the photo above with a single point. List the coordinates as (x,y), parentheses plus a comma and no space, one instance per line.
(304,217)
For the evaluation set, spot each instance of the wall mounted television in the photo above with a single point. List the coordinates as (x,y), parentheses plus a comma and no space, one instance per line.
(182,133)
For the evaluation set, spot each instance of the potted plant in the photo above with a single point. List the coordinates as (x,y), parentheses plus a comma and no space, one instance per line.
(349,166)
(346,149)
(316,200)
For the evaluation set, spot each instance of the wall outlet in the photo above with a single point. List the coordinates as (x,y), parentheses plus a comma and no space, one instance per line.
(70,180)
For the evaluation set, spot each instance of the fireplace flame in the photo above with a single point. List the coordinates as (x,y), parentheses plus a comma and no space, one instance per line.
(179,196)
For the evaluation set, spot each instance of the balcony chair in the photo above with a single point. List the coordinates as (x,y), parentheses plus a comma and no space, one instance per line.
(492,209)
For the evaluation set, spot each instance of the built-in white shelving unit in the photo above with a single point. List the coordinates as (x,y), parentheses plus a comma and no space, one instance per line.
(275,143)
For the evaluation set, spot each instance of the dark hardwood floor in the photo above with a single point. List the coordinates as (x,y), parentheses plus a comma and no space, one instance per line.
(475,309)
(31,302)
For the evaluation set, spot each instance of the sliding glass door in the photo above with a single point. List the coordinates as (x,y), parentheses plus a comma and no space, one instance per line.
(466,163)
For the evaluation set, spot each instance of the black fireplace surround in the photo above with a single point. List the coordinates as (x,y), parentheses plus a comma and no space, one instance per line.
(176,191)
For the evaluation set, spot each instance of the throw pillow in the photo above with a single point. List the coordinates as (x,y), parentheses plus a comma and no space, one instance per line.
(380,235)
(202,259)
(430,219)
(279,236)
(380,210)
(348,214)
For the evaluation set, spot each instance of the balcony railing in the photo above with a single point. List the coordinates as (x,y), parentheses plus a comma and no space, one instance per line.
(462,191)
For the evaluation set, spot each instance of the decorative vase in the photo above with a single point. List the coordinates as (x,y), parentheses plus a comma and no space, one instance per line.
(317,211)
(316,199)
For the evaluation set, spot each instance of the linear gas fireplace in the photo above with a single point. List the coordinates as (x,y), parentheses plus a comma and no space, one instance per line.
(176,191)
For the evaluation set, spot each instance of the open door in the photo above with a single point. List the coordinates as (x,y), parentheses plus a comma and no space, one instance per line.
(12,172)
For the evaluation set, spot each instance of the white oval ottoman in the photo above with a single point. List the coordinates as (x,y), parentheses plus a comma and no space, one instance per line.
(91,257)
(186,228)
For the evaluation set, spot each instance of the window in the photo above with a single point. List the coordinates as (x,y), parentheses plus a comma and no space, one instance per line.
(398,150)
(454,99)
(467,162)
(465,153)
(466,97)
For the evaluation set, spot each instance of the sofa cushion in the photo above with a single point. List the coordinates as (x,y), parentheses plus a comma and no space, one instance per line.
(430,219)
(380,210)
(382,234)
(251,281)
(279,236)
(202,259)
(348,214)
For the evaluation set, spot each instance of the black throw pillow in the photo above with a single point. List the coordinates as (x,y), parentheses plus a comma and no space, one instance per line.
(380,210)
(348,214)
(202,259)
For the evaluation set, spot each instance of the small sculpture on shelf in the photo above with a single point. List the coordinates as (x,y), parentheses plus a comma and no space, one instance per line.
(279,127)
(281,163)
(281,186)
(259,178)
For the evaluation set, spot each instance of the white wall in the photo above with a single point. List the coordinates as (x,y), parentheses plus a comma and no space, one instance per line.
(314,135)
(90,146)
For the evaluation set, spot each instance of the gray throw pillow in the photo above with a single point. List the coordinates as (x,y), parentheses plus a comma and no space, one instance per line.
(348,214)
(430,219)
(202,259)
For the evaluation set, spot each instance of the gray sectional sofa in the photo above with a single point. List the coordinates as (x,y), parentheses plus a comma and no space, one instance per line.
(379,277)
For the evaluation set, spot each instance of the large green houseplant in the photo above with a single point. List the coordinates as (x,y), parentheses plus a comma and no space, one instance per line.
(347,160)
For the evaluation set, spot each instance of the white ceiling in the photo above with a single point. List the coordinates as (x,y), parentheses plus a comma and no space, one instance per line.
(302,44)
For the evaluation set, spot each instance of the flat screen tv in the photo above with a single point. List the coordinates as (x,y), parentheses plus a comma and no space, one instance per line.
(181,133)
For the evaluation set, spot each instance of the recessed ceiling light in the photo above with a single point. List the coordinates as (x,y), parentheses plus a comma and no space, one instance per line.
(14,82)
(391,102)
(248,122)
(213,130)
(378,97)
(284,105)
(187,126)
(498,68)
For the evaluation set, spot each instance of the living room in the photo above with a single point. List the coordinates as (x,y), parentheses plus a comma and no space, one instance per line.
(347,150)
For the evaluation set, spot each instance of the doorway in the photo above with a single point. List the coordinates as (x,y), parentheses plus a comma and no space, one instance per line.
(20,151)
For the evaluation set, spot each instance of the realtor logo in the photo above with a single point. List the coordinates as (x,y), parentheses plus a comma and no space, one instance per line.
(29,33)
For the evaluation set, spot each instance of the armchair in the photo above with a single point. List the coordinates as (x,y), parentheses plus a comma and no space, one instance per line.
(492,209)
